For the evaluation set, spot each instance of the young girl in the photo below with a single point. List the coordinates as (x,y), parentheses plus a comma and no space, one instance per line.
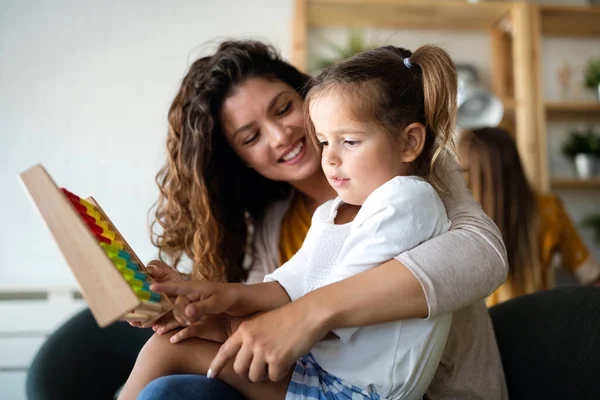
(379,160)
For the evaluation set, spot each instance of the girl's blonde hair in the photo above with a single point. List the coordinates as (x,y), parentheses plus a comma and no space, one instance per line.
(496,177)
(393,87)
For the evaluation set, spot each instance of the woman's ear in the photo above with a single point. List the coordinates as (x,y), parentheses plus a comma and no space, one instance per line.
(413,141)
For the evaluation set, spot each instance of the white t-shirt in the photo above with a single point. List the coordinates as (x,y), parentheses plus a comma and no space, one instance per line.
(396,359)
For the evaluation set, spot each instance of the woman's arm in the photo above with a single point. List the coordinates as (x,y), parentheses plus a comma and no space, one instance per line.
(276,339)
(465,264)
(441,275)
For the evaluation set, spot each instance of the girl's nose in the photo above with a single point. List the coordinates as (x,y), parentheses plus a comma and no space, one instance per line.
(331,158)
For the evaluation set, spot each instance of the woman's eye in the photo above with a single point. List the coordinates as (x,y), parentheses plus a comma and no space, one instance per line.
(283,110)
(323,143)
(352,143)
(251,138)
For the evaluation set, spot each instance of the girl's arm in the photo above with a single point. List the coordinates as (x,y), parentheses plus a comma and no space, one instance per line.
(195,299)
(442,275)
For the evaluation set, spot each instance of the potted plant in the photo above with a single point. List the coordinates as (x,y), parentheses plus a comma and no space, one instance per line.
(356,44)
(584,148)
(592,76)
(593,221)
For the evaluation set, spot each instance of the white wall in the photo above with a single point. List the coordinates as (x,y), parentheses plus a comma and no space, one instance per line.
(85,89)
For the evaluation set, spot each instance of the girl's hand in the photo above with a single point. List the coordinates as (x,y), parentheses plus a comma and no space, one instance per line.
(197,299)
(165,324)
(214,327)
(268,345)
(161,272)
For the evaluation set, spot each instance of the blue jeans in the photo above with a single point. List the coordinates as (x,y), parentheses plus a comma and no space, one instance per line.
(185,387)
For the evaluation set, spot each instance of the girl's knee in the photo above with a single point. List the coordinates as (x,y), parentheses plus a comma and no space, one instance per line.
(157,345)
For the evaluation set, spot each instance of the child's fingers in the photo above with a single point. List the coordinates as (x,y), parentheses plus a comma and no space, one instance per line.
(199,309)
(195,331)
(228,351)
(160,271)
(179,309)
(167,326)
(185,333)
(193,290)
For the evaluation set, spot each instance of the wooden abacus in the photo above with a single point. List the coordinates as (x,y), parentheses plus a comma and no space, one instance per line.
(112,279)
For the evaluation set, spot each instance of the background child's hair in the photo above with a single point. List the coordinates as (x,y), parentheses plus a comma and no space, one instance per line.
(383,89)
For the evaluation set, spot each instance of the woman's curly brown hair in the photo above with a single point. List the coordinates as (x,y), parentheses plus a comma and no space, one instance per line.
(205,189)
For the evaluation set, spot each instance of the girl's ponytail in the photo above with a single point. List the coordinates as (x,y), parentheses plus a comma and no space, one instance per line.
(440,88)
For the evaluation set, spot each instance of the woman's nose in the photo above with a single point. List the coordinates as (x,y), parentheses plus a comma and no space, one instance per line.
(278,135)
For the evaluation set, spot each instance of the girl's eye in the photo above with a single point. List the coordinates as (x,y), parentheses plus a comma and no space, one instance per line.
(252,138)
(323,143)
(352,143)
(283,110)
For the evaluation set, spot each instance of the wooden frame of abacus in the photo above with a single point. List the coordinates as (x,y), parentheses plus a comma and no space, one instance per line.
(105,290)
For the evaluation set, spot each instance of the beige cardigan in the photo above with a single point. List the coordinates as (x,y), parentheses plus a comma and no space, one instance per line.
(457,270)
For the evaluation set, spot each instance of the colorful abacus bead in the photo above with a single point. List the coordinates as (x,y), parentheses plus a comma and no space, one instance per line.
(113,248)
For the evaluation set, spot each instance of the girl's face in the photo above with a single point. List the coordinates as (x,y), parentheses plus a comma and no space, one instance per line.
(263,122)
(358,157)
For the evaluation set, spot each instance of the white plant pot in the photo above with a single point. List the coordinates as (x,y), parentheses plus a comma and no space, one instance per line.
(586,165)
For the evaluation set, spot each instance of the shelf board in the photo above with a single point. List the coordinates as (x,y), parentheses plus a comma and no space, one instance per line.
(573,111)
(582,21)
(575,183)
(406,14)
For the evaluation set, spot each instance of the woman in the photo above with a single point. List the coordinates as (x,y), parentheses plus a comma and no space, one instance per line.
(238,157)
(534,226)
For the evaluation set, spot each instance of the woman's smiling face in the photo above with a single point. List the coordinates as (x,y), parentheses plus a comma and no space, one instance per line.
(264,123)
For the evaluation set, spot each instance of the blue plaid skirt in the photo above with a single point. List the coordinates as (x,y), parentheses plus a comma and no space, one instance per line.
(311,382)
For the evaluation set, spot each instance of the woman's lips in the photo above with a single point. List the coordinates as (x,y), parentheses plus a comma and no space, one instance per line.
(295,154)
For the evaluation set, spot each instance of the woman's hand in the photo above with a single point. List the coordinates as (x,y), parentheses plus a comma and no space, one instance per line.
(268,345)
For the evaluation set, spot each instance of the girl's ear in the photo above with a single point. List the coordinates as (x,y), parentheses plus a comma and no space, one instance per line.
(413,141)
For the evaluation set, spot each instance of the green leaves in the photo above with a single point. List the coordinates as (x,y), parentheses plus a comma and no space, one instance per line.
(592,74)
(579,142)
(356,44)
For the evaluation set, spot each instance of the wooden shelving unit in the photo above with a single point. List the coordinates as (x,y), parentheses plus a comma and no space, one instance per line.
(573,111)
(408,14)
(575,183)
(570,21)
(515,30)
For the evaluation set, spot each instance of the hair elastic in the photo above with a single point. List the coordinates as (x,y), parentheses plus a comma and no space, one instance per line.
(407,63)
